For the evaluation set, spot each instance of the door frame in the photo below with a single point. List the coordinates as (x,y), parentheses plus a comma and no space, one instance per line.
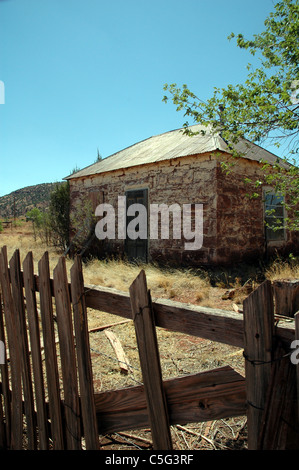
(145,191)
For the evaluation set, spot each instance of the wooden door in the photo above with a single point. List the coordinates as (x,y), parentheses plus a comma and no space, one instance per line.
(136,249)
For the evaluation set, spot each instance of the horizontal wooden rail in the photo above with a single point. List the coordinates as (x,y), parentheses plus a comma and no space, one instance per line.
(217,325)
(214,394)
(209,395)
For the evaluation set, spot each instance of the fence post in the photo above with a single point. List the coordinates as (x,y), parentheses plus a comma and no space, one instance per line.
(286,297)
(150,362)
(258,334)
(278,428)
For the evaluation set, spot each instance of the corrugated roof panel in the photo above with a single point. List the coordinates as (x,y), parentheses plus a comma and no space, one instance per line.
(173,144)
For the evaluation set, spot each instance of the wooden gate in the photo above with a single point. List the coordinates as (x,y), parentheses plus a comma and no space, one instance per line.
(51,401)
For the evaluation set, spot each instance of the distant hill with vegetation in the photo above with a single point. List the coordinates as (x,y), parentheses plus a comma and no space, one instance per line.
(19,202)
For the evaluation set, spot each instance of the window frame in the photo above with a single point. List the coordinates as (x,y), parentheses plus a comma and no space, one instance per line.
(270,232)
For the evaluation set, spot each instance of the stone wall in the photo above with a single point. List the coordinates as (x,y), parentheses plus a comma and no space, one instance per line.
(240,222)
(180,181)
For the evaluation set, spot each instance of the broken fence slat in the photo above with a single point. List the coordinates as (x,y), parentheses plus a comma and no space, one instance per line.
(109,325)
(150,363)
(83,357)
(120,354)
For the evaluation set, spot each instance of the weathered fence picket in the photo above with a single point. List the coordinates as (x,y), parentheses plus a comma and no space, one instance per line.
(14,406)
(4,407)
(67,357)
(150,363)
(46,310)
(19,312)
(37,366)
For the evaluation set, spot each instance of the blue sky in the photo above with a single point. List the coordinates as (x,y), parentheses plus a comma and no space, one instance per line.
(82,75)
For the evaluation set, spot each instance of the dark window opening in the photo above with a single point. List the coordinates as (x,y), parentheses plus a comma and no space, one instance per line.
(274,217)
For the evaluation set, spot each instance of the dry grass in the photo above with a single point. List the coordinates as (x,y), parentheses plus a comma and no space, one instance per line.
(163,283)
(282,269)
(21,237)
(118,274)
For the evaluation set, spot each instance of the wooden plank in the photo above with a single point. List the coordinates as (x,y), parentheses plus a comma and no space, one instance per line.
(108,325)
(120,354)
(4,370)
(3,445)
(150,363)
(46,310)
(16,432)
(209,323)
(67,357)
(278,424)
(83,357)
(286,297)
(206,396)
(19,309)
(213,324)
(258,336)
(34,335)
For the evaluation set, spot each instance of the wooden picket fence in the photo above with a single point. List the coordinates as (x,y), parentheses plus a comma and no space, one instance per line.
(34,405)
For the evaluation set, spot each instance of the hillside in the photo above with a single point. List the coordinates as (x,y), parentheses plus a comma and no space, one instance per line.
(22,200)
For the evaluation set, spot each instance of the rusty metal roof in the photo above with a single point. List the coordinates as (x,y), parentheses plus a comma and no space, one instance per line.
(171,145)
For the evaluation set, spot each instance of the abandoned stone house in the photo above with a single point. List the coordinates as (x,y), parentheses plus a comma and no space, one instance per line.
(182,171)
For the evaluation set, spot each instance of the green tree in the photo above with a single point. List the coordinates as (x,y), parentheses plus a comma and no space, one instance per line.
(83,223)
(36,218)
(59,215)
(264,109)
(99,157)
